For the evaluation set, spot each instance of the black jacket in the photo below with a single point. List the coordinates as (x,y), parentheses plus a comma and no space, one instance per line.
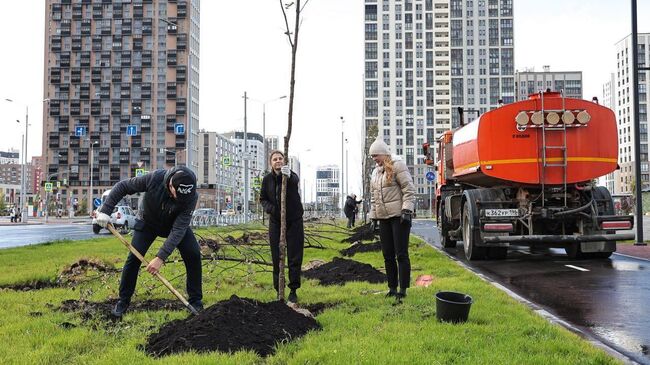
(271,192)
(160,213)
(350,207)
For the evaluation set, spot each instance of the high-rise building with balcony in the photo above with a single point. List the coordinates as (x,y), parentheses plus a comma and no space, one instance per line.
(406,80)
(625,112)
(482,55)
(122,84)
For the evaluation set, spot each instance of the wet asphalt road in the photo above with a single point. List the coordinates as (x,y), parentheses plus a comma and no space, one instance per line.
(610,299)
(23,235)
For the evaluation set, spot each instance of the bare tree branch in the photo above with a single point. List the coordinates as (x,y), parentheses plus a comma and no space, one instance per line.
(286,23)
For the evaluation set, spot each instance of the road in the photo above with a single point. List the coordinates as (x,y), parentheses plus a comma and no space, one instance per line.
(23,235)
(608,299)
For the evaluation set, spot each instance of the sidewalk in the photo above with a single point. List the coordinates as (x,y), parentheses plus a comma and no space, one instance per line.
(5,221)
(635,251)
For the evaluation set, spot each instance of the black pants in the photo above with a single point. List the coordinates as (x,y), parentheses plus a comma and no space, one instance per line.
(190,252)
(351,221)
(394,238)
(295,247)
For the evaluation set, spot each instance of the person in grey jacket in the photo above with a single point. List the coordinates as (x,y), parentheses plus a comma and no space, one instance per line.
(165,211)
(392,200)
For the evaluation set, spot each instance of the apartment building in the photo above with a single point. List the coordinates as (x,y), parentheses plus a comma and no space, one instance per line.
(122,85)
(529,82)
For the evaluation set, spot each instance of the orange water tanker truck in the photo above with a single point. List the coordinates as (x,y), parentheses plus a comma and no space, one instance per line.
(526,174)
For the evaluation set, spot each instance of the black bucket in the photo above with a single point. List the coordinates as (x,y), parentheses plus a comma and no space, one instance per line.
(452,307)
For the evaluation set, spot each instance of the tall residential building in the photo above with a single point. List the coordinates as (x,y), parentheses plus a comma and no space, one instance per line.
(294,165)
(218,171)
(328,179)
(611,180)
(272,143)
(255,149)
(625,111)
(530,82)
(482,55)
(406,79)
(122,84)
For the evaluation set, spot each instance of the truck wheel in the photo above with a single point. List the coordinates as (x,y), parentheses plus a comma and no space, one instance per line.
(96,228)
(443,228)
(470,237)
(573,251)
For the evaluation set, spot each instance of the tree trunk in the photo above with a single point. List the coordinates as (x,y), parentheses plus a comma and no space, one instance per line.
(283,198)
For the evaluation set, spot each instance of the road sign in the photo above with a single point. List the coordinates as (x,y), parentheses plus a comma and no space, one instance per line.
(79,131)
(225,161)
(248,156)
(179,128)
(431,175)
(97,202)
(257,182)
(58,184)
(48,187)
(139,172)
(131,130)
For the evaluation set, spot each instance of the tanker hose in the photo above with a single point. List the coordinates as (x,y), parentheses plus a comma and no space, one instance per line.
(576,210)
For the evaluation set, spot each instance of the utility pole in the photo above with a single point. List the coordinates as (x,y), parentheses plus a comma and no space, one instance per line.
(637,127)
(341,171)
(245,161)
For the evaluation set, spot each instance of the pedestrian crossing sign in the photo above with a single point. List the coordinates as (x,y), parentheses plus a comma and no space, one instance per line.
(48,187)
(139,172)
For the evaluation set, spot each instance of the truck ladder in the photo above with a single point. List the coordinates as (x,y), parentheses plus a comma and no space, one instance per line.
(561,128)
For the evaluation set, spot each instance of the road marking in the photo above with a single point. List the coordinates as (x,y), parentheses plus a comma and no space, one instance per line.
(576,267)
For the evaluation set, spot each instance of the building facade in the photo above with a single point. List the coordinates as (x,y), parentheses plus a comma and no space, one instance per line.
(530,82)
(121,81)
(256,160)
(328,190)
(612,180)
(625,112)
(9,157)
(482,55)
(406,79)
(217,170)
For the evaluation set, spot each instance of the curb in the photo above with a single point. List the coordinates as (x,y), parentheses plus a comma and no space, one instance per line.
(541,311)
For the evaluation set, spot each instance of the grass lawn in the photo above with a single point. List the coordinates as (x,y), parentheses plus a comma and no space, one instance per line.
(364,327)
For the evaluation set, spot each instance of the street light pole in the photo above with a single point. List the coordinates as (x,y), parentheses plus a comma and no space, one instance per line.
(341,170)
(245,160)
(90,193)
(24,184)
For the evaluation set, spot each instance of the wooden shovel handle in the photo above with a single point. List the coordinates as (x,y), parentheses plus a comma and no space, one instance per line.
(144,261)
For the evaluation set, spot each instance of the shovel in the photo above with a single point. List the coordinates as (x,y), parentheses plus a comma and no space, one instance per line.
(160,277)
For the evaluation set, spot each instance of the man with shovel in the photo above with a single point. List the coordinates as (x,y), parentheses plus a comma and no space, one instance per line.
(165,211)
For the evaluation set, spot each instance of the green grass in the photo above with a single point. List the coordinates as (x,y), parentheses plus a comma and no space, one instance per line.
(364,328)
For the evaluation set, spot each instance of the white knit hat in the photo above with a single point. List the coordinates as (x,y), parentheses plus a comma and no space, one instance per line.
(379,147)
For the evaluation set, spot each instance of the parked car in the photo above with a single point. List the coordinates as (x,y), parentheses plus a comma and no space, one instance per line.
(203,212)
(122,217)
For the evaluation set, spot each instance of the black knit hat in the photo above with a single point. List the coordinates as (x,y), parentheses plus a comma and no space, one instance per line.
(184,182)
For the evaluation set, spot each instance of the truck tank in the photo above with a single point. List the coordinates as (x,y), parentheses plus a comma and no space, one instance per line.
(545,140)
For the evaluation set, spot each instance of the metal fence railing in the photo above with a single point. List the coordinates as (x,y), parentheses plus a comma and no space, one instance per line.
(222,219)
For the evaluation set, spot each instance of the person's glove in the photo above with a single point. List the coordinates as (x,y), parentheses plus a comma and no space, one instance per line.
(406,216)
(286,171)
(103,219)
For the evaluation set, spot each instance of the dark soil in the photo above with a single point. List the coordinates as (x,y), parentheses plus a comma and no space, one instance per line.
(339,271)
(79,269)
(360,247)
(254,236)
(32,285)
(232,325)
(210,243)
(361,233)
(89,310)
(318,308)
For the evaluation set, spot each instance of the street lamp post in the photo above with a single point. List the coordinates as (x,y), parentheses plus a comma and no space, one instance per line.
(341,171)
(90,193)
(23,184)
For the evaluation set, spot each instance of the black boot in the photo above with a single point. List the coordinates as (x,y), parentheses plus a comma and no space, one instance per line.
(120,308)
(392,292)
(197,305)
(293,297)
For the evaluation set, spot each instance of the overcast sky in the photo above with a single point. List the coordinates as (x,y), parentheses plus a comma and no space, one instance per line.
(243,48)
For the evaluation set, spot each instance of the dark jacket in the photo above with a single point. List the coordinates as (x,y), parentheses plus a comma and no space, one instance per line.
(271,192)
(160,213)
(350,207)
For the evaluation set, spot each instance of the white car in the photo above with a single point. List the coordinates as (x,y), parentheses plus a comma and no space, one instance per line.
(122,217)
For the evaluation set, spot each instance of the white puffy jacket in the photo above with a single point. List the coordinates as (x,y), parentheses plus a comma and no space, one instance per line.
(388,198)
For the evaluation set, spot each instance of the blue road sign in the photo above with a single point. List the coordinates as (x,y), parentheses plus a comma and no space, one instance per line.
(179,128)
(131,130)
(97,202)
(79,131)
(431,175)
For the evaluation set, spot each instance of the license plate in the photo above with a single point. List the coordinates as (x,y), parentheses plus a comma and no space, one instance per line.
(502,212)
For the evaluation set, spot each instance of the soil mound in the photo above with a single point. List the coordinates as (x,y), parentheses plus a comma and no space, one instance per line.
(318,308)
(102,310)
(232,325)
(209,243)
(361,233)
(339,271)
(77,270)
(360,247)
